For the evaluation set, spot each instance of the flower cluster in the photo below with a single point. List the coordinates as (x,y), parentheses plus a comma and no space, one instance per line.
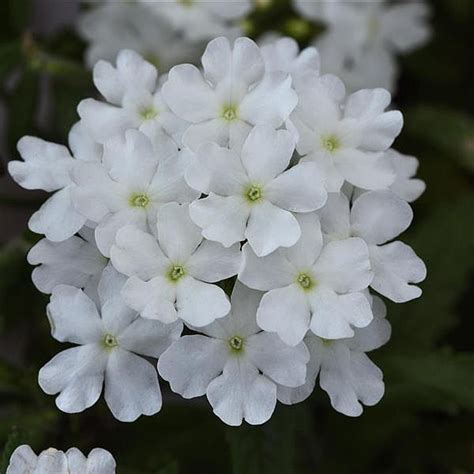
(362,39)
(255,173)
(25,461)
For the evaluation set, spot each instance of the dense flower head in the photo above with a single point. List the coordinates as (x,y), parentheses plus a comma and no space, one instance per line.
(254,172)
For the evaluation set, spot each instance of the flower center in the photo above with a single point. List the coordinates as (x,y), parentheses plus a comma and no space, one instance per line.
(148,113)
(326,342)
(236,343)
(305,281)
(176,272)
(139,200)
(229,113)
(110,341)
(254,193)
(331,143)
(186,3)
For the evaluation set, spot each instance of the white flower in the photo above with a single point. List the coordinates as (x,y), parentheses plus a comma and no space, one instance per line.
(108,340)
(48,166)
(378,217)
(251,196)
(171,275)
(345,372)
(202,19)
(52,461)
(405,185)
(111,28)
(363,38)
(320,287)
(135,178)
(233,94)
(135,101)
(76,262)
(284,55)
(235,364)
(347,138)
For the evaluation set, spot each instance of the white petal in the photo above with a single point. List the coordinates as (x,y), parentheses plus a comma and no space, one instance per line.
(77,374)
(215,131)
(188,94)
(73,316)
(131,386)
(344,266)
(100,461)
(396,267)
(243,61)
(191,363)
(82,145)
(178,235)
(300,189)
(365,170)
(72,262)
(46,165)
(218,170)
(267,153)
(333,314)
(23,460)
(57,218)
(335,217)
(285,311)
(222,219)
(137,253)
(270,102)
(76,461)
(211,262)
(241,393)
(200,303)
(380,216)
(153,299)
(106,231)
(52,460)
(283,364)
(380,128)
(270,227)
(266,273)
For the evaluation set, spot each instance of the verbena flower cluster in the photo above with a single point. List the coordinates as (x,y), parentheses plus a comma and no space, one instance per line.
(52,461)
(253,172)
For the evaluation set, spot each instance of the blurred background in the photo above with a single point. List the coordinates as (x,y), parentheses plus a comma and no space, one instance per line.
(425,422)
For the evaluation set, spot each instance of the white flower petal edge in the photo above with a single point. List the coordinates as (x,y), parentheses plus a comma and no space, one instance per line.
(235,364)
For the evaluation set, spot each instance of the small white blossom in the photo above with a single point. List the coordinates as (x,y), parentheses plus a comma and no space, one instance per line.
(134,179)
(48,166)
(202,19)
(111,28)
(233,94)
(76,262)
(52,461)
(320,286)
(110,340)
(235,364)
(251,196)
(378,217)
(171,276)
(363,38)
(134,99)
(345,372)
(347,137)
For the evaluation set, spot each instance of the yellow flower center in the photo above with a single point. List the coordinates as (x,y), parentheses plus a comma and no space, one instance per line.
(254,193)
(229,113)
(331,143)
(176,272)
(305,281)
(236,343)
(110,341)
(139,200)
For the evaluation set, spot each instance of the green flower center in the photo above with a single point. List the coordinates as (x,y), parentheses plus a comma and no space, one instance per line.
(148,113)
(305,281)
(176,272)
(186,3)
(236,343)
(326,342)
(331,143)
(139,200)
(229,113)
(254,193)
(110,341)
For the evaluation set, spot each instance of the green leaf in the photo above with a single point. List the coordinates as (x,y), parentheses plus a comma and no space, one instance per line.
(10,57)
